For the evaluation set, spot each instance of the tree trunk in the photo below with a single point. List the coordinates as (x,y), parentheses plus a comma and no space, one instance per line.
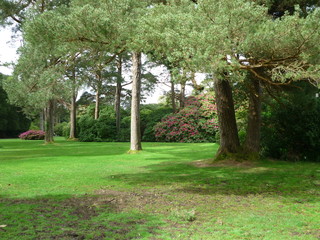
(99,86)
(135,103)
(49,121)
(118,96)
(252,142)
(96,109)
(173,93)
(73,110)
(229,139)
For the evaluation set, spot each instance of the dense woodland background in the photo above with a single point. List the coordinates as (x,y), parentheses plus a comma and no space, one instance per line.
(260,96)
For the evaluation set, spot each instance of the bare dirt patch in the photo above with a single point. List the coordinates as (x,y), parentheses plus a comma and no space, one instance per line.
(223,163)
(134,200)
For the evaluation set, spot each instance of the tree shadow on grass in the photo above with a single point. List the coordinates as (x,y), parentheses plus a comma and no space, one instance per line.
(70,217)
(299,182)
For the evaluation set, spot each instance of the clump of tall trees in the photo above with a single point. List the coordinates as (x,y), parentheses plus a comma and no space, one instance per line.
(256,46)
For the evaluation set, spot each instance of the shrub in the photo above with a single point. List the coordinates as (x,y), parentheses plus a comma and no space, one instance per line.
(291,129)
(97,130)
(197,122)
(32,135)
(62,129)
(104,128)
(150,115)
(12,119)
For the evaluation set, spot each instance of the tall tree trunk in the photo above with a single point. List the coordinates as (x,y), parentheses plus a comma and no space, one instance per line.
(173,93)
(96,109)
(118,96)
(99,86)
(252,141)
(73,109)
(135,103)
(49,121)
(229,139)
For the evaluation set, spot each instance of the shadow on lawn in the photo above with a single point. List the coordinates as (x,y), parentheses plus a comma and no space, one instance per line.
(296,181)
(69,217)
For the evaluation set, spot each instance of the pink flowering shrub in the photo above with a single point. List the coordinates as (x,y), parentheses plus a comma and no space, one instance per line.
(32,135)
(196,122)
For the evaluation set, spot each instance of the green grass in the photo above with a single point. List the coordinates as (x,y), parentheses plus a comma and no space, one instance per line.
(73,190)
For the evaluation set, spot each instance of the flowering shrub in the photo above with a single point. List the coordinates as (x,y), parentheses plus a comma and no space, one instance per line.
(32,135)
(197,122)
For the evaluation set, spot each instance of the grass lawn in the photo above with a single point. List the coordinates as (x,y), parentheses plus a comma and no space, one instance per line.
(74,190)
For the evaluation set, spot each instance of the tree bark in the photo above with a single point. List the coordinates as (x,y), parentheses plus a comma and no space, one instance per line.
(73,110)
(135,103)
(252,141)
(118,96)
(49,121)
(99,85)
(96,109)
(229,139)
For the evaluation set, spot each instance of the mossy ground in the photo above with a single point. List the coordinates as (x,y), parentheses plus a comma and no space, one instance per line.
(74,190)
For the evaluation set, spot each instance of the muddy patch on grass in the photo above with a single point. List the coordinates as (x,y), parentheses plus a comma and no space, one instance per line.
(134,200)
(223,163)
(81,207)
(89,217)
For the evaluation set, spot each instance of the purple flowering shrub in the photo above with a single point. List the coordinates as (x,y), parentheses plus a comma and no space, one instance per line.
(32,135)
(196,122)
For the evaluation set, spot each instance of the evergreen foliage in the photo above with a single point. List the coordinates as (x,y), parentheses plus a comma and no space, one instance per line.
(104,128)
(291,128)
(12,121)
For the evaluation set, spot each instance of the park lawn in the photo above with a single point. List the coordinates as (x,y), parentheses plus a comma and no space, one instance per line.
(74,190)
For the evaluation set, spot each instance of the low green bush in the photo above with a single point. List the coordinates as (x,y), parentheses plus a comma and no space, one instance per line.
(97,130)
(62,129)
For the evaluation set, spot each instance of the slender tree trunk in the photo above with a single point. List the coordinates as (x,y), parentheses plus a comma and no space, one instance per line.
(118,96)
(135,103)
(49,121)
(96,110)
(73,117)
(99,86)
(252,142)
(173,93)
(72,133)
(73,109)
(229,139)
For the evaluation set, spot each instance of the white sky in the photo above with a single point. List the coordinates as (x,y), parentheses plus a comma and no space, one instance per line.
(8,48)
